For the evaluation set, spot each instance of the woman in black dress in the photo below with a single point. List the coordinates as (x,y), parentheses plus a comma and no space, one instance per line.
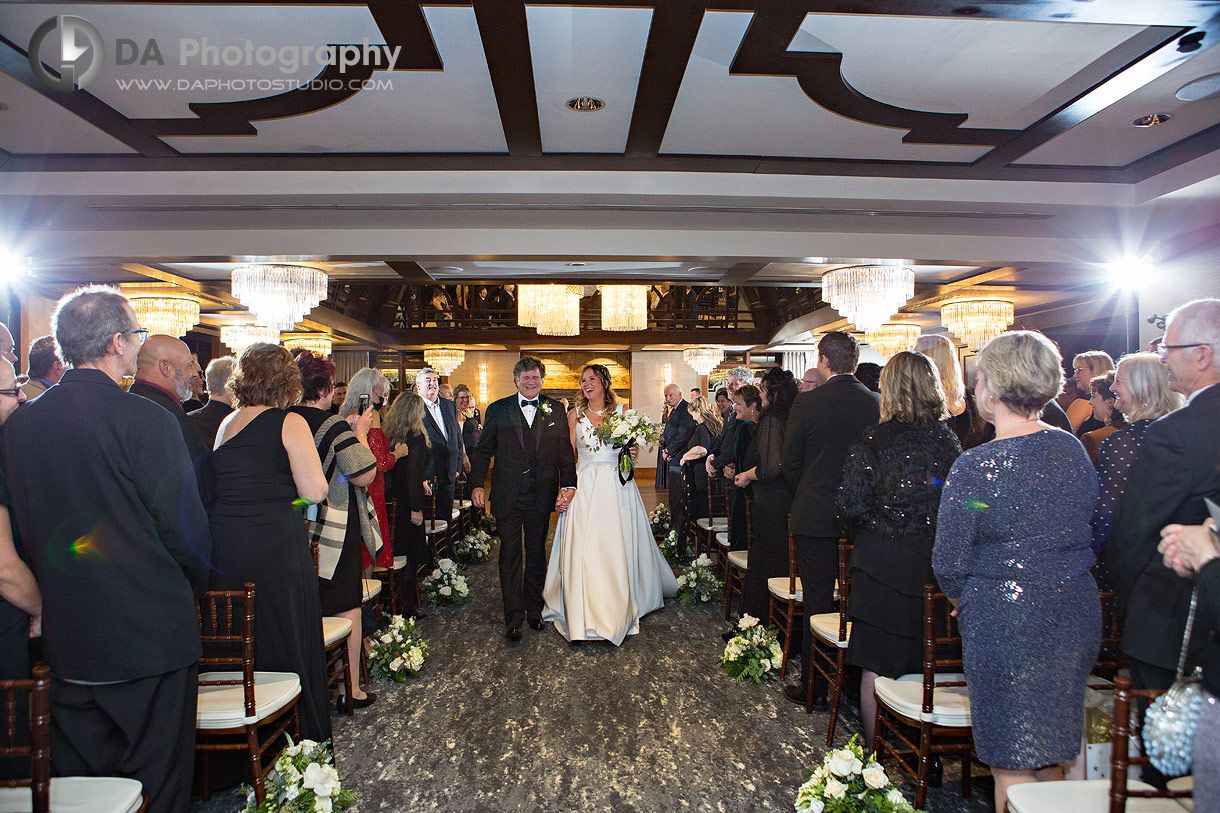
(888,498)
(468,422)
(265,464)
(747,407)
(348,464)
(708,427)
(762,471)
(405,424)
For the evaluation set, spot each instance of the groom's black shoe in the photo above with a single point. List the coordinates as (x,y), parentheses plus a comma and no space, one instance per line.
(536,623)
(513,636)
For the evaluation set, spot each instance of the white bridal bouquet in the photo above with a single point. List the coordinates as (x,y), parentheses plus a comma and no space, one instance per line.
(622,430)
(474,547)
(304,780)
(445,585)
(847,783)
(660,520)
(698,583)
(753,654)
(398,651)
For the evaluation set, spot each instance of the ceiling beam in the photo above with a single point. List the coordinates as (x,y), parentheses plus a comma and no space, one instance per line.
(741,273)
(411,271)
(515,337)
(932,294)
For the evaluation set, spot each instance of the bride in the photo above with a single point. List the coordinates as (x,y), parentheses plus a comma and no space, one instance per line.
(606,570)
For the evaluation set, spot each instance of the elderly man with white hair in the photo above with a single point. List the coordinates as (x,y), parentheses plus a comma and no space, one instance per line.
(1175,469)
(220,402)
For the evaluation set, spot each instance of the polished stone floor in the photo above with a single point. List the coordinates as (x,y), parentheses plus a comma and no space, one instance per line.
(548,726)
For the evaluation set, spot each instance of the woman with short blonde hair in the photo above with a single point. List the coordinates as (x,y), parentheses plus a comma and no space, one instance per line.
(1085,367)
(911,389)
(943,353)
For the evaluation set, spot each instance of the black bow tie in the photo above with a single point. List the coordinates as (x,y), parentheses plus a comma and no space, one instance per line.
(533,403)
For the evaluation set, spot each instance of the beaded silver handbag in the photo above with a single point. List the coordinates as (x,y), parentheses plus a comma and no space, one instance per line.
(1169,725)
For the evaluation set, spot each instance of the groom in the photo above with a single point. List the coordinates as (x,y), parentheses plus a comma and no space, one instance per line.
(535,473)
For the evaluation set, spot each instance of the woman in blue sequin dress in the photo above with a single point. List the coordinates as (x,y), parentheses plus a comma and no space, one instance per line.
(1013,552)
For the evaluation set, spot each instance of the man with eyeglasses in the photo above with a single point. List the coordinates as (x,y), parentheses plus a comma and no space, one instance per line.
(115,533)
(1176,467)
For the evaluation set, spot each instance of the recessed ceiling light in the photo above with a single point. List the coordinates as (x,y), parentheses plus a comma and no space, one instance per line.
(585,104)
(1202,88)
(575,265)
(1151,120)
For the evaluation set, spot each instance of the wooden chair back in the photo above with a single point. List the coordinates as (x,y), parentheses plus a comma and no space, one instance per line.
(1127,726)
(717,495)
(942,644)
(391,512)
(1110,656)
(793,573)
(39,749)
(689,495)
(226,620)
(749,523)
(845,547)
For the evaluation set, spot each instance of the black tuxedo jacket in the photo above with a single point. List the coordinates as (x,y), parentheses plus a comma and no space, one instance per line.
(446,460)
(822,424)
(200,452)
(207,420)
(504,438)
(112,526)
(1177,466)
(679,429)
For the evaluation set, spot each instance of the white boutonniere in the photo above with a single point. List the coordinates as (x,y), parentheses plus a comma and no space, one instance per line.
(544,407)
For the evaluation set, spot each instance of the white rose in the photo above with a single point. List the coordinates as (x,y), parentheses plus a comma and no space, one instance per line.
(843,763)
(322,805)
(746,621)
(776,653)
(874,777)
(765,664)
(895,797)
(835,789)
(317,780)
(292,791)
(386,638)
(395,664)
(816,806)
(445,564)
(681,581)
(463,589)
(436,574)
(705,597)
(446,591)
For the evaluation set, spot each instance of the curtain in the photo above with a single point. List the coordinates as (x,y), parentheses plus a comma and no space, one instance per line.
(348,363)
(798,361)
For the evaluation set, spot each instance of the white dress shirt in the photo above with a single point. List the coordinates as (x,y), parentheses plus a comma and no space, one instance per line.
(530,412)
(434,409)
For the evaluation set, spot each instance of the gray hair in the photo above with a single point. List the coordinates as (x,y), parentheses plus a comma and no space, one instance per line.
(218,374)
(424,372)
(1022,369)
(1198,322)
(362,383)
(743,374)
(85,322)
(1147,380)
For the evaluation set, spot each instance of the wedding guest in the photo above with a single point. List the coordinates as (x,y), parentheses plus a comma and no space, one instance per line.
(675,440)
(445,391)
(1102,400)
(763,472)
(445,439)
(7,346)
(1085,367)
(375,386)
(695,392)
(724,404)
(207,419)
(468,428)
(45,368)
(821,427)
(888,502)
(708,426)
(747,407)
(1012,554)
(198,396)
(869,374)
(349,467)
(410,488)
(737,378)
(339,397)
(164,373)
(944,355)
(1142,394)
(265,462)
(117,560)
(811,380)
(662,475)
(1175,469)
(1069,394)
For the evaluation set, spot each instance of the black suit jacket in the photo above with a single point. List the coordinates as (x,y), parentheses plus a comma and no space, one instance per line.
(822,424)
(1177,466)
(504,439)
(200,452)
(446,460)
(679,429)
(207,420)
(112,526)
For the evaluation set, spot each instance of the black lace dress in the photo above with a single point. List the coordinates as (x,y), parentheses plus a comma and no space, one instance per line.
(888,501)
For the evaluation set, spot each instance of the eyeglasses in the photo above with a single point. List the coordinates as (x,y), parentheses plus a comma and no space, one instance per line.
(1162,350)
(15,390)
(142,332)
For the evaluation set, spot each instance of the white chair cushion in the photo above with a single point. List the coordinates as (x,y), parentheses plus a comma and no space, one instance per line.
(462,504)
(334,630)
(722,539)
(372,589)
(1181,783)
(779,588)
(713,524)
(225,706)
(399,563)
(86,794)
(739,558)
(1081,796)
(826,627)
(435,526)
(950,706)
(456,514)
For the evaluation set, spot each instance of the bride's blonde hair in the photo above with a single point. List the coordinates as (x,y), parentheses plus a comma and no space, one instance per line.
(603,375)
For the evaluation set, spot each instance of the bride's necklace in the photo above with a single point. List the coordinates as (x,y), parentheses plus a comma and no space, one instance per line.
(598,412)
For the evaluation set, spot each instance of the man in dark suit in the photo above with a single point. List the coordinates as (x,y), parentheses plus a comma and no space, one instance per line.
(1175,469)
(448,453)
(118,559)
(823,423)
(675,440)
(220,402)
(535,473)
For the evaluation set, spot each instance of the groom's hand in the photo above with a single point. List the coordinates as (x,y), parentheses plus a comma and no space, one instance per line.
(476,497)
(564,499)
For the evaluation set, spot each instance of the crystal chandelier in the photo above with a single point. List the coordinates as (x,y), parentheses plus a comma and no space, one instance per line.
(170,315)
(279,295)
(527,305)
(444,359)
(624,307)
(977,321)
(239,337)
(314,342)
(867,295)
(703,359)
(559,310)
(892,337)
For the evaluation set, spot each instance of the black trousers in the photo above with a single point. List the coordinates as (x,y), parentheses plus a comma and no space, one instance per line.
(817,561)
(677,511)
(768,560)
(142,729)
(523,559)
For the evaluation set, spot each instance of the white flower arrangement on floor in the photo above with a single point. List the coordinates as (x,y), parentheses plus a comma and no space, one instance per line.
(445,584)
(398,651)
(304,780)
(753,654)
(698,583)
(660,520)
(849,782)
(474,547)
(669,548)
(487,524)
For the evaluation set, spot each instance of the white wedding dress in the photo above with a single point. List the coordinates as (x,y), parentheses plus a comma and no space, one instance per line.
(606,570)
